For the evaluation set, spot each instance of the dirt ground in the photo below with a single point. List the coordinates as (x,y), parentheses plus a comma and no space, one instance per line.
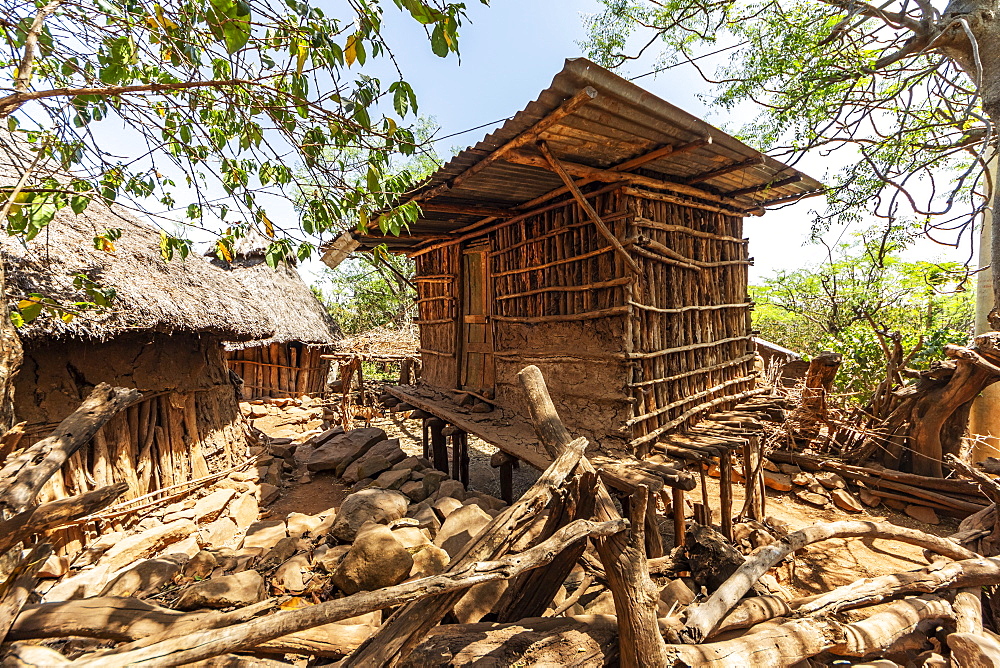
(819,568)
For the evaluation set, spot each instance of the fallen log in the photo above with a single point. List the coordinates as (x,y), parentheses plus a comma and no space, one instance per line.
(786,643)
(129,619)
(410,624)
(23,477)
(53,514)
(202,645)
(624,563)
(14,592)
(704,617)
(528,642)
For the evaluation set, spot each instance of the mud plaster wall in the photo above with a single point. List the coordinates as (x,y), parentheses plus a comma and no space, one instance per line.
(587,385)
(49,385)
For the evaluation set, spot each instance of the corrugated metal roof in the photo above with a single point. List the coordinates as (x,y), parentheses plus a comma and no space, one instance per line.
(622,122)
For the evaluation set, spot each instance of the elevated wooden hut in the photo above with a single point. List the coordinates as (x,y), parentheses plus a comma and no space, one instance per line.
(289,362)
(598,234)
(162,334)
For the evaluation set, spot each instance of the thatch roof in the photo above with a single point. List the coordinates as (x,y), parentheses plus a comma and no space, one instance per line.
(183,295)
(281,295)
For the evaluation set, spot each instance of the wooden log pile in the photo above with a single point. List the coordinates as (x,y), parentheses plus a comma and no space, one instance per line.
(561,576)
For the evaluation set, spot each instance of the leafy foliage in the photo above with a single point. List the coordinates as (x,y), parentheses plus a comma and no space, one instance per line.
(363,293)
(219,100)
(888,88)
(862,286)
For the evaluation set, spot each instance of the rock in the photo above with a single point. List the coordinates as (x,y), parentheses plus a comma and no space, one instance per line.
(674,595)
(332,558)
(209,508)
(227,591)
(789,469)
(133,548)
(361,484)
(485,500)
(244,510)
(282,551)
(768,465)
(817,488)
(426,517)
(445,506)
(84,584)
(481,407)
(55,566)
(868,498)
(264,534)
(181,514)
(268,494)
(380,457)
(340,451)
(375,560)
(973,650)
(293,575)
(846,501)
(922,514)
(830,480)
(368,505)
(428,561)
(393,479)
(200,566)
(188,546)
(412,538)
(603,604)
(453,488)
(460,527)
(777,481)
(812,498)
(479,601)
(273,474)
(283,450)
(299,524)
(803,479)
(414,490)
(411,463)
(327,518)
(145,577)
(151,522)
(895,504)
(219,533)
(432,479)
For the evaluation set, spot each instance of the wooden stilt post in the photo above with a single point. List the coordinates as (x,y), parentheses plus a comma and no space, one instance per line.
(654,542)
(678,507)
(702,469)
(439,446)
(726,493)
(425,437)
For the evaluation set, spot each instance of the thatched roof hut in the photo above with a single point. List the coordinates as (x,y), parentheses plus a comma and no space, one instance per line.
(183,295)
(288,362)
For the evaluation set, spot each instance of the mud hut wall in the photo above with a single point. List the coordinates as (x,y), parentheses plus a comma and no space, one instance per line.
(186,426)
(437,281)
(693,353)
(560,301)
(281,369)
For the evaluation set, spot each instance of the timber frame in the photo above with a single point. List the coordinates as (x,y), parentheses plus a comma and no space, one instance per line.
(612,222)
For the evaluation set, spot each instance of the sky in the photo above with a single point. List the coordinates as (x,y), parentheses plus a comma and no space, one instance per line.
(509,53)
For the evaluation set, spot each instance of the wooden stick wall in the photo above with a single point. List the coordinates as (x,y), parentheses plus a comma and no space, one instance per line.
(685,346)
(437,315)
(280,370)
(163,440)
(691,332)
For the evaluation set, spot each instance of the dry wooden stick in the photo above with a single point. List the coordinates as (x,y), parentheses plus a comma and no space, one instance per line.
(704,617)
(18,586)
(23,477)
(202,645)
(586,206)
(53,514)
(792,641)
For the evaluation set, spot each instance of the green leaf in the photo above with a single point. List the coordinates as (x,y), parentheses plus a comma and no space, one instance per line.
(78,203)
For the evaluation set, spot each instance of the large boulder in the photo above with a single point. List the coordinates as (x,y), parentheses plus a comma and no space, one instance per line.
(265,534)
(209,508)
(460,527)
(132,548)
(375,560)
(226,591)
(369,505)
(340,451)
(146,577)
(380,457)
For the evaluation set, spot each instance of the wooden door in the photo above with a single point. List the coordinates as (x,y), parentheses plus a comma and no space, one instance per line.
(477,373)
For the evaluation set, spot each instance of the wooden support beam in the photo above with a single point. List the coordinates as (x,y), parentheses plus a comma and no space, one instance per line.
(677,505)
(765,186)
(439,445)
(722,171)
(661,152)
(591,212)
(530,135)
(466,210)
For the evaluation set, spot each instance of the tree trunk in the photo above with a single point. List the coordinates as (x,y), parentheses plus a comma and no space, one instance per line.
(11,356)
